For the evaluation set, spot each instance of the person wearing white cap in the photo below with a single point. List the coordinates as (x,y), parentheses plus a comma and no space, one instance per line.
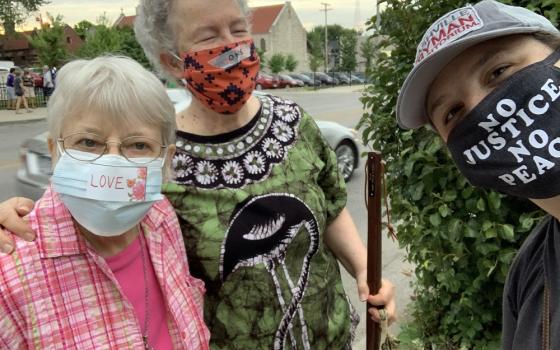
(487,79)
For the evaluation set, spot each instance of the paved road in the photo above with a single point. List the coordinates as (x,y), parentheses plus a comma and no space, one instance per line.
(338,104)
(11,136)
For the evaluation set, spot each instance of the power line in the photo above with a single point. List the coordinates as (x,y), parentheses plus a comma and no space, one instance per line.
(326,9)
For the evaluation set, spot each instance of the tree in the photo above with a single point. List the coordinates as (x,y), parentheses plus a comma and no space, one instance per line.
(50,43)
(367,50)
(348,44)
(261,54)
(461,239)
(335,32)
(15,12)
(82,28)
(316,57)
(291,63)
(102,40)
(131,48)
(276,63)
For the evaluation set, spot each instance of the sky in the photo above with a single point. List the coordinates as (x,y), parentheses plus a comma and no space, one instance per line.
(309,11)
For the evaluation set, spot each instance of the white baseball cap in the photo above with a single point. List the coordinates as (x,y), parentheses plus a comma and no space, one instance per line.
(452,34)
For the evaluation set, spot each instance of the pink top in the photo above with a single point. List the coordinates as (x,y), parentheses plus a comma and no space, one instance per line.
(58,293)
(128,268)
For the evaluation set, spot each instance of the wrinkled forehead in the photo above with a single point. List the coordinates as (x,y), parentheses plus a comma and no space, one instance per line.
(186,17)
(109,123)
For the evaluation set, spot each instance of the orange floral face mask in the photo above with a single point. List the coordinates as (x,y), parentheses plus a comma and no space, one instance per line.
(222,78)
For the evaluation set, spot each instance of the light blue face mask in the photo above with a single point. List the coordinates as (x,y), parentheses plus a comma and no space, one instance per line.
(110,195)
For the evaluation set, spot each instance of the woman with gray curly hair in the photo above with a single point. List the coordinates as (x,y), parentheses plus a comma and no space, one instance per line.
(260,200)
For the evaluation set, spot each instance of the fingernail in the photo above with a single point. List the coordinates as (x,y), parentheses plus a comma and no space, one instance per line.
(24,208)
(6,248)
(29,236)
(363,298)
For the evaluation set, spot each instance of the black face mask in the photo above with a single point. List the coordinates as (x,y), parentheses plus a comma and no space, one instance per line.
(510,142)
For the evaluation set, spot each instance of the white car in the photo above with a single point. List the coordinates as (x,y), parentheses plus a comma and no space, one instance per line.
(35,170)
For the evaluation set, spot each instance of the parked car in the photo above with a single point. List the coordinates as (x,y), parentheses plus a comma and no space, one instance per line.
(302,77)
(35,169)
(291,82)
(265,81)
(343,78)
(314,78)
(363,77)
(324,78)
(6,65)
(356,79)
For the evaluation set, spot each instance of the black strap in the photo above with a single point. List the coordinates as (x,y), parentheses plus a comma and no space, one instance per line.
(552,58)
(546,319)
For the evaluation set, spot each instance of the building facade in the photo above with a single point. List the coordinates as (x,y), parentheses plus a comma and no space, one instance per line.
(277,29)
(18,48)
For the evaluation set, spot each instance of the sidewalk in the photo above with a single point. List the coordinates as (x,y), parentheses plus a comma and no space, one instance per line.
(10,117)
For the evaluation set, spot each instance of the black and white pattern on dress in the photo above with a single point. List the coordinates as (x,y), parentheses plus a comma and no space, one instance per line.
(253,238)
(246,159)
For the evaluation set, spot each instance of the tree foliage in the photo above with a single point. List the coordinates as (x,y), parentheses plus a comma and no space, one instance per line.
(15,12)
(50,43)
(316,52)
(82,28)
(262,56)
(277,63)
(342,43)
(367,50)
(348,51)
(291,63)
(104,39)
(461,239)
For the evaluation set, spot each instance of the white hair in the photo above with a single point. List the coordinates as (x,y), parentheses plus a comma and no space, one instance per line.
(153,32)
(118,88)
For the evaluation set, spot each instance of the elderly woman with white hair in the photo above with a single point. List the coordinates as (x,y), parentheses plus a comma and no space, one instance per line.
(260,200)
(108,269)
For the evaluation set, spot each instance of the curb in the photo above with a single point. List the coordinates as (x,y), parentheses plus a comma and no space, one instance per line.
(8,117)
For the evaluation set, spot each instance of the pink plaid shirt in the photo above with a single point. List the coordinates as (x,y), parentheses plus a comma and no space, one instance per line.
(58,293)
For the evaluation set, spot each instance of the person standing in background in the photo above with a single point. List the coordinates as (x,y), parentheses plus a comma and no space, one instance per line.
(18,88)
(10,89)
(48,82)
(29,88)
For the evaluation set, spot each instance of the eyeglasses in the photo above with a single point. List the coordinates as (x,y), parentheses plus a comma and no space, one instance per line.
(88,147)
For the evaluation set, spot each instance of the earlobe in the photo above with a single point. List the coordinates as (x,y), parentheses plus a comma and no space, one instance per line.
(53,150)
(173,65)
(170,152)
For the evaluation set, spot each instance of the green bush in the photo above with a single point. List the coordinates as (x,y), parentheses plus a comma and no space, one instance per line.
(460,239)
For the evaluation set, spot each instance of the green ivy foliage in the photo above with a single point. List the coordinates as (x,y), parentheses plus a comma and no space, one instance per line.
(460,239)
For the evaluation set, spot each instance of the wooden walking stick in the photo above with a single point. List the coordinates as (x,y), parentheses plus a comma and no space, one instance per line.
(374,174)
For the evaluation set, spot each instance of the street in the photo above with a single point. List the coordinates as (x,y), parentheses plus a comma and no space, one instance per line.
(341,105)
(11,137)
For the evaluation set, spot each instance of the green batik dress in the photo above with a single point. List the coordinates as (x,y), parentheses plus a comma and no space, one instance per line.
(253,206)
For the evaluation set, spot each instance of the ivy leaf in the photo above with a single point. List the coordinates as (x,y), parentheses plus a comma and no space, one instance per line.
(443,210)
(435,220)
(508,233)
(481,205)
(494,201)
(449,196)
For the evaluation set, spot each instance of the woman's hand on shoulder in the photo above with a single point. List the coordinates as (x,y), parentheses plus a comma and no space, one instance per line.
(12,212)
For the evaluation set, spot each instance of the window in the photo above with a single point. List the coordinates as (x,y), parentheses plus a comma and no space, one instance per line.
(68,40)
(263,44)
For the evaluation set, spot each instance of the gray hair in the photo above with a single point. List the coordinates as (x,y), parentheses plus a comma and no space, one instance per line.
(118,88)
(152,28)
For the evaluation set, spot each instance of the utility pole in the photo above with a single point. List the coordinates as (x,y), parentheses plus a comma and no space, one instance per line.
(326,9)
(377,13)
